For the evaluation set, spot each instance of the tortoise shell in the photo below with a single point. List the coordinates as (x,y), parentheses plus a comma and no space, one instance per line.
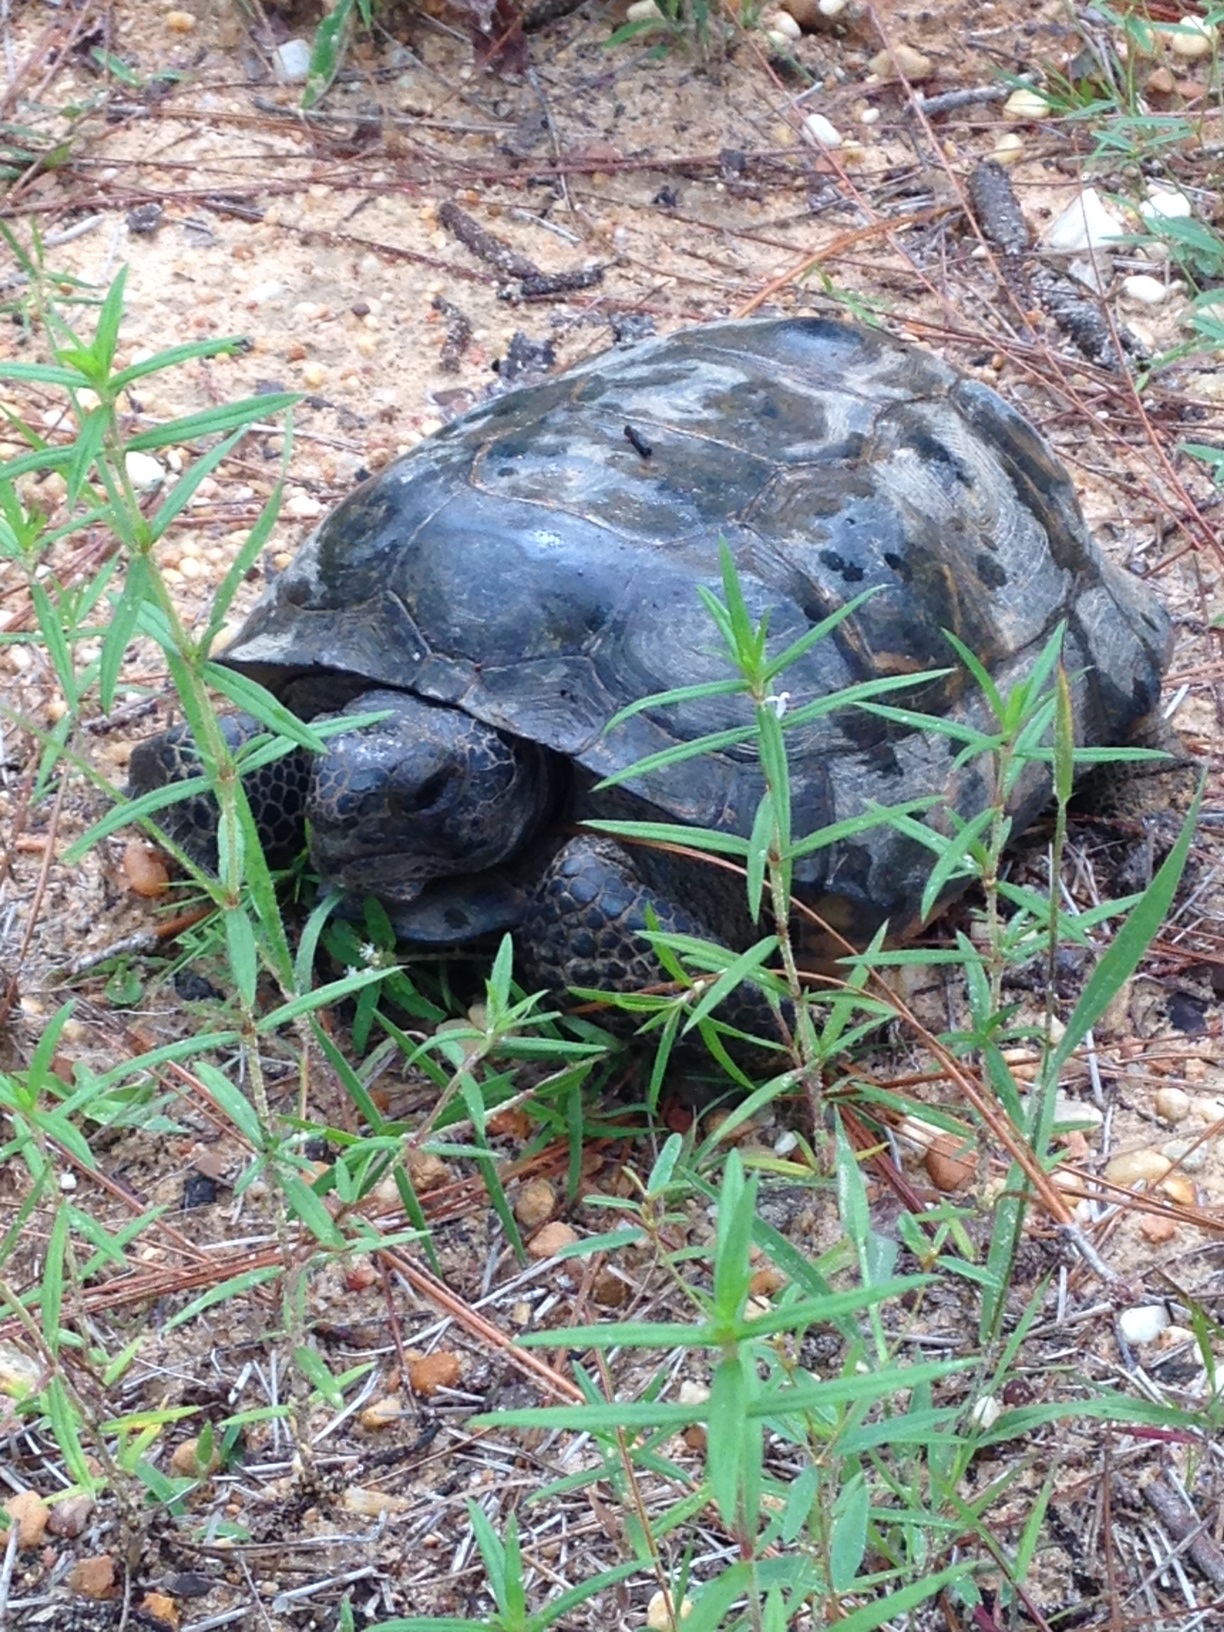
(536,564)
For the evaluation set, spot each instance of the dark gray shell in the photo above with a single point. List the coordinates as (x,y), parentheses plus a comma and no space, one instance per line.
(532,565)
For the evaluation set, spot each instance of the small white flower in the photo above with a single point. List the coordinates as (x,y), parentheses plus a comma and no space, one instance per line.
(779,701)
(371,956)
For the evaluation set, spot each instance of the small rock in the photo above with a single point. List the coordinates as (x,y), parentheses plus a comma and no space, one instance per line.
(1179,1187)
(1172,1105)
(535,1204)
(986,1412)
(1157,1228)
(291,61)
(820,131)
(442,1369)
(1145,290)
(1161,82)
(1137,1167)
(512,1123)
(1144,1323)
(1087,223)
(950,1162)
(1027,105)
(1165,204)
(144,869)
(1072,1113)
(659,1615)
(905,61)
(609,1290)
(143,470)
(426,1170)
(831,8)
(29,1513)
(93,1577)
(259,294)
(1206,1107)
(1192,39)
(1069,1112)
(1174,1336)
(160,1607)
(181,22)
(69,1517)
(643,11)
(303,506)
(313,375)
(1009,148)
(185,1460)
(1187,1154)
(371,1504)
(360,1274)
(691,1392)
(382,1413)
(549,1241)
(784,24)
(198,1191)
(765,1282)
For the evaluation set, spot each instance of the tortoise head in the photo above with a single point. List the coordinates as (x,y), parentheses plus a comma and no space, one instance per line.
(426,793)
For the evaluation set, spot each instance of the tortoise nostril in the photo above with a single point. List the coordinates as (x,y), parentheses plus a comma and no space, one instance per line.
(423,797)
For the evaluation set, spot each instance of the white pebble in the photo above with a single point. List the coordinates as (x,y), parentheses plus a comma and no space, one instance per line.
(869,116)
(986,1412)
(143,470)
(1145,290)
(1193,38)
(1144,1323)
(1172,1104)
(260,293)
(832,8)
(783,23)
(1026,104)
(291,61)
(1008,148)
(1166,204)
(820,131)
(643,11)
(303,506)
(1086,223)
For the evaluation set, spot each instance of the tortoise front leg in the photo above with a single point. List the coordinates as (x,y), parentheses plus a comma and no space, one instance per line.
(276,792)
(586,922)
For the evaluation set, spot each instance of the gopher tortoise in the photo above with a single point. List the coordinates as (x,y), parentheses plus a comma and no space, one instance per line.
(508,586)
